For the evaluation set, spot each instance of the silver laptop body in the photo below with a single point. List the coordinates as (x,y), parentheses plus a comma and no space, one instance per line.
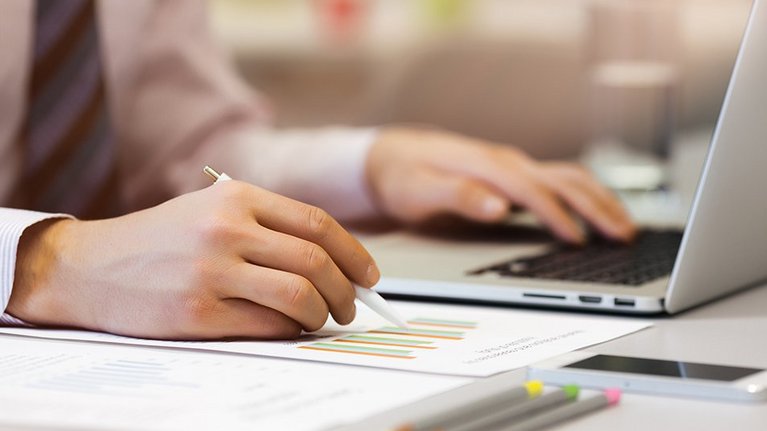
(723,248)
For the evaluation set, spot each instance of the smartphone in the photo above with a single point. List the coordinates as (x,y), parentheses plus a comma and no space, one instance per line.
(654,376)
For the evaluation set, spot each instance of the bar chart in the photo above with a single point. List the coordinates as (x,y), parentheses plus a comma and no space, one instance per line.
(438,338)
(118,377)
(421,335)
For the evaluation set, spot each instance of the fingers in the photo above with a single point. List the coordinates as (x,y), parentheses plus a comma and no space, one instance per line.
(450,172)
(240,318)
(467,197)
(594,202)
(511,172)
(515,176)
(295,258)
(550,190)
(546,205)
(317,226)
(439,193)
(289,294)
(256,321)
(591,209)
(310,261)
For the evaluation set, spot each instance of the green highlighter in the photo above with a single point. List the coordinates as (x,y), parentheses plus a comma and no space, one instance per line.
(456,417)
(516,411)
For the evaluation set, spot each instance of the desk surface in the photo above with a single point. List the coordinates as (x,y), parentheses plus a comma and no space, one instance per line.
(729,331)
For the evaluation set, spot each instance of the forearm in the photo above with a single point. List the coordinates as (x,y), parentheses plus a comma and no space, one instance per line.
(323,167)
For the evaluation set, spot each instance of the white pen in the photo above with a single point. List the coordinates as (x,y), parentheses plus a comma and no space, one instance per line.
(369,297)
(372,299)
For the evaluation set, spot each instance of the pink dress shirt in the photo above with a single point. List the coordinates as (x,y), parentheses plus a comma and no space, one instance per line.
(176,105)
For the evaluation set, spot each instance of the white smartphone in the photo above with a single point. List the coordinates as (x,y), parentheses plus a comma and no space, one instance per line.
(656,376)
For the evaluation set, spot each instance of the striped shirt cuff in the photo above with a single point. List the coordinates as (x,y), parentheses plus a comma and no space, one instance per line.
(8,320)
(13,222)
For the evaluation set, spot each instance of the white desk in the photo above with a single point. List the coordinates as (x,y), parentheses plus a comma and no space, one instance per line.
(730,331)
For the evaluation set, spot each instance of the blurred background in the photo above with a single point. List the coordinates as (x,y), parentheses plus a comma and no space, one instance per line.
(550,76)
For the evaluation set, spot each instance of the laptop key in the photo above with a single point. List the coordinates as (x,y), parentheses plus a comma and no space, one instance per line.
(649,257)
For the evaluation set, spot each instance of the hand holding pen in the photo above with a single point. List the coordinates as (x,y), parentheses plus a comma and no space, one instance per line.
(230,260)
(365,295)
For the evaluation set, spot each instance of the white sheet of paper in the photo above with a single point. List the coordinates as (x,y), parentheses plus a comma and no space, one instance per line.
(98,386)
(443,339)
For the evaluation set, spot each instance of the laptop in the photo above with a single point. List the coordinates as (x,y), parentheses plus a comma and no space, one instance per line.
(722,248)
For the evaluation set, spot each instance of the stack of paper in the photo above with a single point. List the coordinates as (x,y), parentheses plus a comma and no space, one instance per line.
(76,384)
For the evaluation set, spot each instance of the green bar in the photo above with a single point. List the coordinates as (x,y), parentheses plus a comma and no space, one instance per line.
(445,322)
(422,331)
(386,340)
(342,347)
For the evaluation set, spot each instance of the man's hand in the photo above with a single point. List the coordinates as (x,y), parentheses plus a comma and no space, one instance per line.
(227,261)
(416,174)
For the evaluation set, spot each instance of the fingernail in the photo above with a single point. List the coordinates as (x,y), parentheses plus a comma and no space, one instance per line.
(373,274)
(577,236)
(625,229)
(631,232)
(493,205)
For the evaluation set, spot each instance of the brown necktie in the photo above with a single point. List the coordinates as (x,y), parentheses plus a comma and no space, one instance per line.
(68,145)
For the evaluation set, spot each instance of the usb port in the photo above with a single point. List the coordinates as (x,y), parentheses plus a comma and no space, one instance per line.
(543,296)
(624,302)
(590,299)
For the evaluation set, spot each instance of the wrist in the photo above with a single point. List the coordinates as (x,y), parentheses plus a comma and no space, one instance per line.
(373,167)
(37,253)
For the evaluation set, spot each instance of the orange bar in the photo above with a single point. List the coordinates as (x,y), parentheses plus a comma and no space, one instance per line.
(383,344)
(356,353)
(444,325)
(409,334)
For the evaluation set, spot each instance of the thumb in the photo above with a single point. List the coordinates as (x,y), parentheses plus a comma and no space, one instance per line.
(469,198)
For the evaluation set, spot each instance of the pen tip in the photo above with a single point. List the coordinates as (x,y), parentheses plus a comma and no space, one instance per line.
(397,319)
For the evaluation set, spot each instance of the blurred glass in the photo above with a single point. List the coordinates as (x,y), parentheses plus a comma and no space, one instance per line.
(633,84)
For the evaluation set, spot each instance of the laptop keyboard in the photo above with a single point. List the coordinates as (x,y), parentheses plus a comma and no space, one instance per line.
(649,257)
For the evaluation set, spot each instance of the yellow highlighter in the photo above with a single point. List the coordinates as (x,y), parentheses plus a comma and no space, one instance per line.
(455,417)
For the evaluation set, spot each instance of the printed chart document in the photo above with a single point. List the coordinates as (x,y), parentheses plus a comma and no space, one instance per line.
(56,384)
(443,339)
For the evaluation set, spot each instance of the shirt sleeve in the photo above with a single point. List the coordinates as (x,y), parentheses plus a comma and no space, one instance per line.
(13,222)
(179,104)
(323,167)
